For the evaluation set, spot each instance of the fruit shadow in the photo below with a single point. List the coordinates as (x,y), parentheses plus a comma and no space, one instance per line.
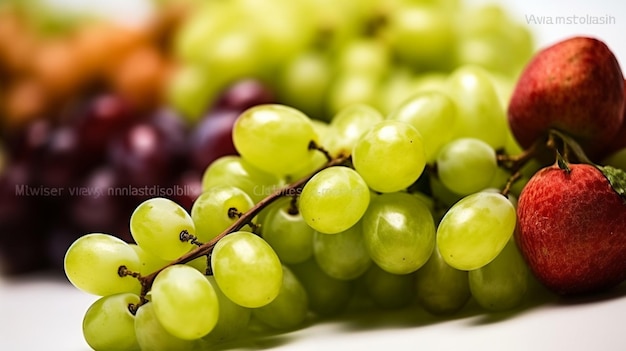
(611,294)
(540,297)
(364,317)
(261,337)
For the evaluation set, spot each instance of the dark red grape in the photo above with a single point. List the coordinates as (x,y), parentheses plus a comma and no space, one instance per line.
(186,189)
(140,157)
(244,94)
(94,207)
(20,246)
(173,128)
(212,139)
(60,161)
(15,193)
(104,117)
(23,144)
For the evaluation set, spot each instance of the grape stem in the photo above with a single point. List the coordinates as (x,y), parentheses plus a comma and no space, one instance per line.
(514,163)
(243,220)
(555,140)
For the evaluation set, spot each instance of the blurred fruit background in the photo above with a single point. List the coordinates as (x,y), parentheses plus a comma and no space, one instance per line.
(104,105)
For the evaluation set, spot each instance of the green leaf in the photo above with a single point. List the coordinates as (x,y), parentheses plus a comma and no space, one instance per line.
(617,179)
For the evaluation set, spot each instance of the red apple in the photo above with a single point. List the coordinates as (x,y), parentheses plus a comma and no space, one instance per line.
(619,140)
(572,228)
(575,86)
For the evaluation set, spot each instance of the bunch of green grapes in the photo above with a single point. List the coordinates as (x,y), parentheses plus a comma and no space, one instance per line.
(377,177)
(321,55)
(407,207)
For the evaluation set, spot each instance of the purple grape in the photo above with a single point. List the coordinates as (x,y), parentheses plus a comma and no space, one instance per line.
(140,157)
(174,130)
(25,143)
(212,139)
(187,187)
(94,207)
(20,238)
(60,161)
(244,94)
(15,193)
(104,117)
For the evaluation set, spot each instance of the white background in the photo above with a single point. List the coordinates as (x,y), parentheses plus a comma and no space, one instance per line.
(43,313)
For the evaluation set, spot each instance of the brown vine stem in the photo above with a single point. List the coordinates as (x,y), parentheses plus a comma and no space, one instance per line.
(245,218)
(514,163)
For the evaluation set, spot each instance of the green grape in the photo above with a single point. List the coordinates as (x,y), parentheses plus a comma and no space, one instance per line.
(492,40)
(504,86)
(433,114)
(466,165)
(109,324)
(480,114)
(185,303)
(442,195)
(328,137)
(284,34)
(216,209)
(499,179)
(336,22)
(399,232)
(390,156)
(234,171)
(364,56)
(287,233)
(502,283)
(342,255)
(316,162)
(398,86)
(274,138)
(289,309)
(441,289)
(431,81)
(304,81)
(325,198)
(93,261)
(151,335)
(205,24)
(247,269)
(234,54)
(148,263)
(350,88)
(327,296)
(351,122)
(232,320)
(483,52)
(484,20)
(190,91)
(422,36)
(201,264)
(388,290)
(475,229)
(157,224)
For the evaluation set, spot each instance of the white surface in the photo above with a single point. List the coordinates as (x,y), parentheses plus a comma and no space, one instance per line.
(40,313)
(44,313)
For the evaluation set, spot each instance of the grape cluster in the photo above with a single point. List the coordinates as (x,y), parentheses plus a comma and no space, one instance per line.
(320,56)
(310,216)
(90,171)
